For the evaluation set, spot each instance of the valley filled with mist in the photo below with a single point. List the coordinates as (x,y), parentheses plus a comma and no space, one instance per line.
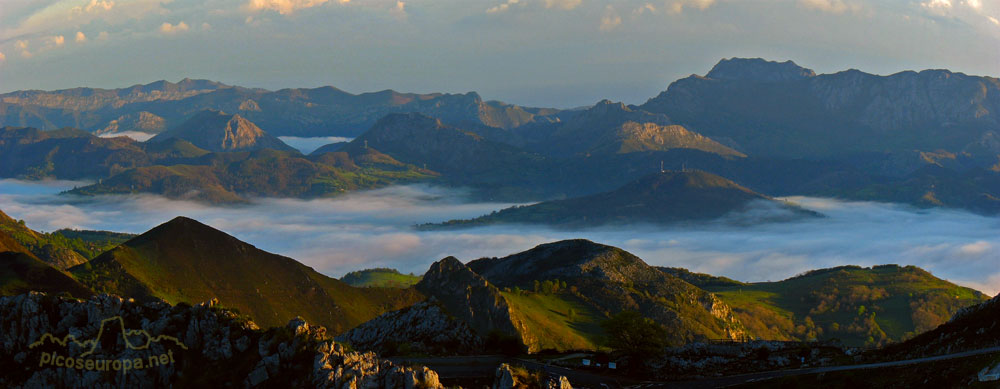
(376,229)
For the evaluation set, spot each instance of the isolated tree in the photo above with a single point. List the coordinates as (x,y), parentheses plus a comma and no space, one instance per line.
(631,333)
(547,287)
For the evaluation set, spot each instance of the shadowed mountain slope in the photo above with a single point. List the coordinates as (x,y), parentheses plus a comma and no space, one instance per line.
(186,261)
(659,198)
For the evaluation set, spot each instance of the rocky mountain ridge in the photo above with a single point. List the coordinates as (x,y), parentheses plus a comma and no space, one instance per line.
(217,131)
(214,347)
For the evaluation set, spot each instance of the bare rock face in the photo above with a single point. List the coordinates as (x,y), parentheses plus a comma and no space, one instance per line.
(508,377)
(422,328)
(757,69)
(469,297)
(139,121)
(217,131)
(50,342)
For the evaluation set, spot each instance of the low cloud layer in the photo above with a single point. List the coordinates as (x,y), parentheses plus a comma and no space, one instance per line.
(374,229)
(310,144)
(137,135)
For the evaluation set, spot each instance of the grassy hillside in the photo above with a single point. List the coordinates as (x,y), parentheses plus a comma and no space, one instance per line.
(61,249)
(22,273)
(610,280)
(559,321)
(381,277)
(186,261)
(859,306)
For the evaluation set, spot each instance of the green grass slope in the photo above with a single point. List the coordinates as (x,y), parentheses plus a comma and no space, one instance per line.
(186,261)
(380,277)
(559,321)
(859,306)
(602,281)
(62,249)
(21,273)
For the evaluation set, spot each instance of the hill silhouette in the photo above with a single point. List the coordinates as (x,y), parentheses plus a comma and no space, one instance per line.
(659,198)
(184,260)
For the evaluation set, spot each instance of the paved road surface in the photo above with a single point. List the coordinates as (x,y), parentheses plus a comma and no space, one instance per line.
(754,377)
(485,366)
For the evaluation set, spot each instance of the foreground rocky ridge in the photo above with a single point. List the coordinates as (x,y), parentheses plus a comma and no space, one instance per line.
(207,346)
(423,328)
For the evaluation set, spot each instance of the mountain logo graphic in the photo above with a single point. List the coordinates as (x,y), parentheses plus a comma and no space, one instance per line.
(112,333)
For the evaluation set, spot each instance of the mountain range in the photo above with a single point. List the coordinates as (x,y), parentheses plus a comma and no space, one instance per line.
(324,111)
(928,139)
(660,198)
(772,109)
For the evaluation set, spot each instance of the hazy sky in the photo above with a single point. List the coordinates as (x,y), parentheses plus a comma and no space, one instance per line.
(536,52)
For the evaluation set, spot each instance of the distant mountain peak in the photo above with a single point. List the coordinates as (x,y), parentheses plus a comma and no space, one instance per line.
(216,130)
(758,69)
(605,106)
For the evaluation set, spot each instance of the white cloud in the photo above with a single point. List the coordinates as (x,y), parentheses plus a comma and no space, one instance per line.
(168,28)
(678,6)
(286,7)
(96,5)
(645,8)
(975,249)
(562,4)
(23,46)
(547,4)
(936,4)
(610,20)
(994,20)
(81,37)
(832,6)
(502,7)
(976,4)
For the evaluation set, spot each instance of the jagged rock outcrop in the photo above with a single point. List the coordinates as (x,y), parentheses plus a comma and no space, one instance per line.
(758,69)
(217,131)
(139,121)
(614,128)
(201,345)
(422,328)
(508,377)
(774,109)
(468,297)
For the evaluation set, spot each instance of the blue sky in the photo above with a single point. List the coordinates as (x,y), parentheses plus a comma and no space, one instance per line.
(560,53)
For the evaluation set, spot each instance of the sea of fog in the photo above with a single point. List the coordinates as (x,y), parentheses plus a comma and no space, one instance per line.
(309,144)
(305,145)
(374,228)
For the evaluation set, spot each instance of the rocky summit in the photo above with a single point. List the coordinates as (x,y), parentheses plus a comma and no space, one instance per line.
(176,346)
(218,131)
